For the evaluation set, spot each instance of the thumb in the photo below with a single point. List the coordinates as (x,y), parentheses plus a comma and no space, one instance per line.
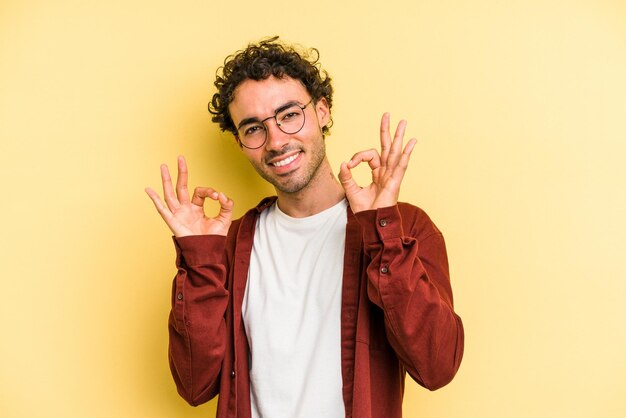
(347,181)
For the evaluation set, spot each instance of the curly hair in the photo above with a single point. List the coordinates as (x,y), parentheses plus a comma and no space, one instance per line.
(269,57)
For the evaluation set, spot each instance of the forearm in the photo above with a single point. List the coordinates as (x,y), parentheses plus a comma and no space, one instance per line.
(425,332)
(197,329)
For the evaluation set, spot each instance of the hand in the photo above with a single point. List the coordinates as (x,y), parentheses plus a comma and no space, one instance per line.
(186,217)
(388,170)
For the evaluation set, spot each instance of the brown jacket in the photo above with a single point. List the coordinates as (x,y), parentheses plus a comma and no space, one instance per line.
(397,313)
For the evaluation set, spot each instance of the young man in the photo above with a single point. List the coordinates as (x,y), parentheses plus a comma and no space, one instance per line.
(318,301)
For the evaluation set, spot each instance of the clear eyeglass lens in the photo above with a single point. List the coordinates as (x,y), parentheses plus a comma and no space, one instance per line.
(253,135)
(290,120)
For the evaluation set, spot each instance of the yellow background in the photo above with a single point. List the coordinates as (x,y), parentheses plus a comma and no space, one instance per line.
(520,112)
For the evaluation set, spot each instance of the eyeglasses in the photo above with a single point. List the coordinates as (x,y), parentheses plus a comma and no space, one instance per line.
(290,120)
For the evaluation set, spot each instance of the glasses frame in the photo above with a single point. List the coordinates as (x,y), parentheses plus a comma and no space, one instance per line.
(302,107)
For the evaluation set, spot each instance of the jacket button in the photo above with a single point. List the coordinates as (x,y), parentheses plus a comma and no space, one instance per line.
(179,296)
(384,270)
(383,222)
(232,374)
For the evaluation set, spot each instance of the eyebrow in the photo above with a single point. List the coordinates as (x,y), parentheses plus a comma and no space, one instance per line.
(287,105)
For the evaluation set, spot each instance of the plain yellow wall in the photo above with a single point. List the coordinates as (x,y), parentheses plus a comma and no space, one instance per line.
(520,111)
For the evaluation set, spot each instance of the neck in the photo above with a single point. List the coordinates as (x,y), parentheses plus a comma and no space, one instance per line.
(322,192)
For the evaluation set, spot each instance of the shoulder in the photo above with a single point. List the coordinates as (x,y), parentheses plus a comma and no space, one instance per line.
(416,221)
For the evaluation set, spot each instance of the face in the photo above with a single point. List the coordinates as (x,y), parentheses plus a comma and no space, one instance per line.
(290,162)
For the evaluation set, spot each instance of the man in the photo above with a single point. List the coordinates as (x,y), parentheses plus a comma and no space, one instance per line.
(318,301)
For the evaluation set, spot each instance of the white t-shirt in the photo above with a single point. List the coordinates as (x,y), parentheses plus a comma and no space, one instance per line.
(292,311)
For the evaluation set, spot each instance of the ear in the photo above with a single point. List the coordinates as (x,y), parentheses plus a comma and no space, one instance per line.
(323,112)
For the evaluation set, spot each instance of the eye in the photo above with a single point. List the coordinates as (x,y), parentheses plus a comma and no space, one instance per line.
(290,114)
(253,129)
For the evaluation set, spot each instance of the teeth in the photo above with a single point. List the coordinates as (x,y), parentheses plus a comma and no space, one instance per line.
(285,161)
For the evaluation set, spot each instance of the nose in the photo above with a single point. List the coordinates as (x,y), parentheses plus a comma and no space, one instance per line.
(276,139)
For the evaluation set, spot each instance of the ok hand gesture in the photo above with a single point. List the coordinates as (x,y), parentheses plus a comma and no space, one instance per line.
(186,217)
(388,170)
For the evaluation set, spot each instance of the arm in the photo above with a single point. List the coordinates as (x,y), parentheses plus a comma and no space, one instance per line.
(408,278)
(408,273)
(197,327)
(199,297)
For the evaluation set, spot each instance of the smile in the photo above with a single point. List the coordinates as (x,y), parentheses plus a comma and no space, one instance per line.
(286,161)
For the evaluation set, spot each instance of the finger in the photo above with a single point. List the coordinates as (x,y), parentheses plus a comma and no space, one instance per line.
(408,149)
(347,181)
(370,156)
(201,193)
(226,207)
(168,189)
(385,138)
(181,182)
(158,203)
(396,146)
(403,163)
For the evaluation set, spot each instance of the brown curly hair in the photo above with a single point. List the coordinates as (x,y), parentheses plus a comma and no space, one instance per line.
(269,57)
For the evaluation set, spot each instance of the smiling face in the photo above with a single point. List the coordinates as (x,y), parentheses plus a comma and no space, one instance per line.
(290,162)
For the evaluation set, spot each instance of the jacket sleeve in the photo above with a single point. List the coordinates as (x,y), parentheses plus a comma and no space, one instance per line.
(408,278)
(197,329)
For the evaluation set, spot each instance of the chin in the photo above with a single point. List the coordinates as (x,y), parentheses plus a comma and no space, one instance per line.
(290,187)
